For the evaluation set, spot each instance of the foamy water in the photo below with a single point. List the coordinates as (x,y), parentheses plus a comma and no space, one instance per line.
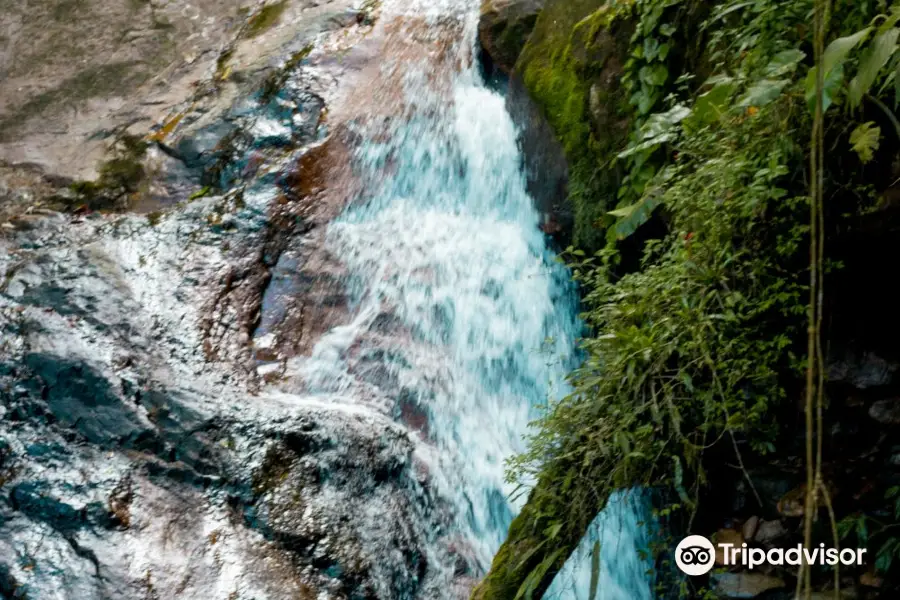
(448,243)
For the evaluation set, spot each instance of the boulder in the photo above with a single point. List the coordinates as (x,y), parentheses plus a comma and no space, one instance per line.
(504,28)
(750,527)
(572,66)
(744,585)
(769,531)
(886,412)
(862,371)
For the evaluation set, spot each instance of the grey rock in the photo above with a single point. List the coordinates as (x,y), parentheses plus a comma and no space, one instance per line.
(861,371)
(769,531)
(504,27)
(886,412)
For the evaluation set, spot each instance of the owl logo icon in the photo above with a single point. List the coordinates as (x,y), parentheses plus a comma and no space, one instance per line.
(695,555)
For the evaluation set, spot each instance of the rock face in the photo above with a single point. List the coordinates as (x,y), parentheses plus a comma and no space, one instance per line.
(571,66)
(74,73)
(504,28)
(140,454)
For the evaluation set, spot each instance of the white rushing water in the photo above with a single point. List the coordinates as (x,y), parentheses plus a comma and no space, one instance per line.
(448,243)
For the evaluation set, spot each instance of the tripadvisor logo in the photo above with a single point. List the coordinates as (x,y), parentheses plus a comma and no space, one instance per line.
(696,555)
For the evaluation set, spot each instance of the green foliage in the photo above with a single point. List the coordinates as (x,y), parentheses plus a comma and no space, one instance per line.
(863,531)
(693,345)
(870,64)
(865,140)
(688,351)
(682,356)
(634,215)
(531,583)
(645,79)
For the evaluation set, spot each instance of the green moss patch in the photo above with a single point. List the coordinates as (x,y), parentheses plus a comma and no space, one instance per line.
(576,46)
(266,18)
(120,177)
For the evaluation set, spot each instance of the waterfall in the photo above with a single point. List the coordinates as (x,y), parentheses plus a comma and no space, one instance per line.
(302,379)
(446,240)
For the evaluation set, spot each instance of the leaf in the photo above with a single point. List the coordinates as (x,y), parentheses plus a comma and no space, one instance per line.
(897,83)
(595,571)
(829,93)
(651,48)
(526,590)
(784,63)
(659,129)
(661,123)
(763,92)
(883,562)
(529,554)
(862,531)
(710,106)
(891,20)
(731,9)
(633,216)
(679,482)
(879,53)
(664,51)
(655,75)
(865,140)
(837,51)
(832,64)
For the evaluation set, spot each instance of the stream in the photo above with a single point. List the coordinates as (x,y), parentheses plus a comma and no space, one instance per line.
(226,404)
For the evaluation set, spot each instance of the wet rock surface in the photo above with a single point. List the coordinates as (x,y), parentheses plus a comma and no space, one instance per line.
(144,452)
(504,28)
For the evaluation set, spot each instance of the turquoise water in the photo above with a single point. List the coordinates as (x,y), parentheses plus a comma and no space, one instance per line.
(445,241)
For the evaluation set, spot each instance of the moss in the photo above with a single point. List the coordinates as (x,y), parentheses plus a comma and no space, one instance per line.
(119,177)
(265,18)
(576,46)
(204,191)
(153,218)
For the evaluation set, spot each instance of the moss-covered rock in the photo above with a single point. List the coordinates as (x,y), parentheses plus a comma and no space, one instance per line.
(572,65)
(504,28)
(121,176)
